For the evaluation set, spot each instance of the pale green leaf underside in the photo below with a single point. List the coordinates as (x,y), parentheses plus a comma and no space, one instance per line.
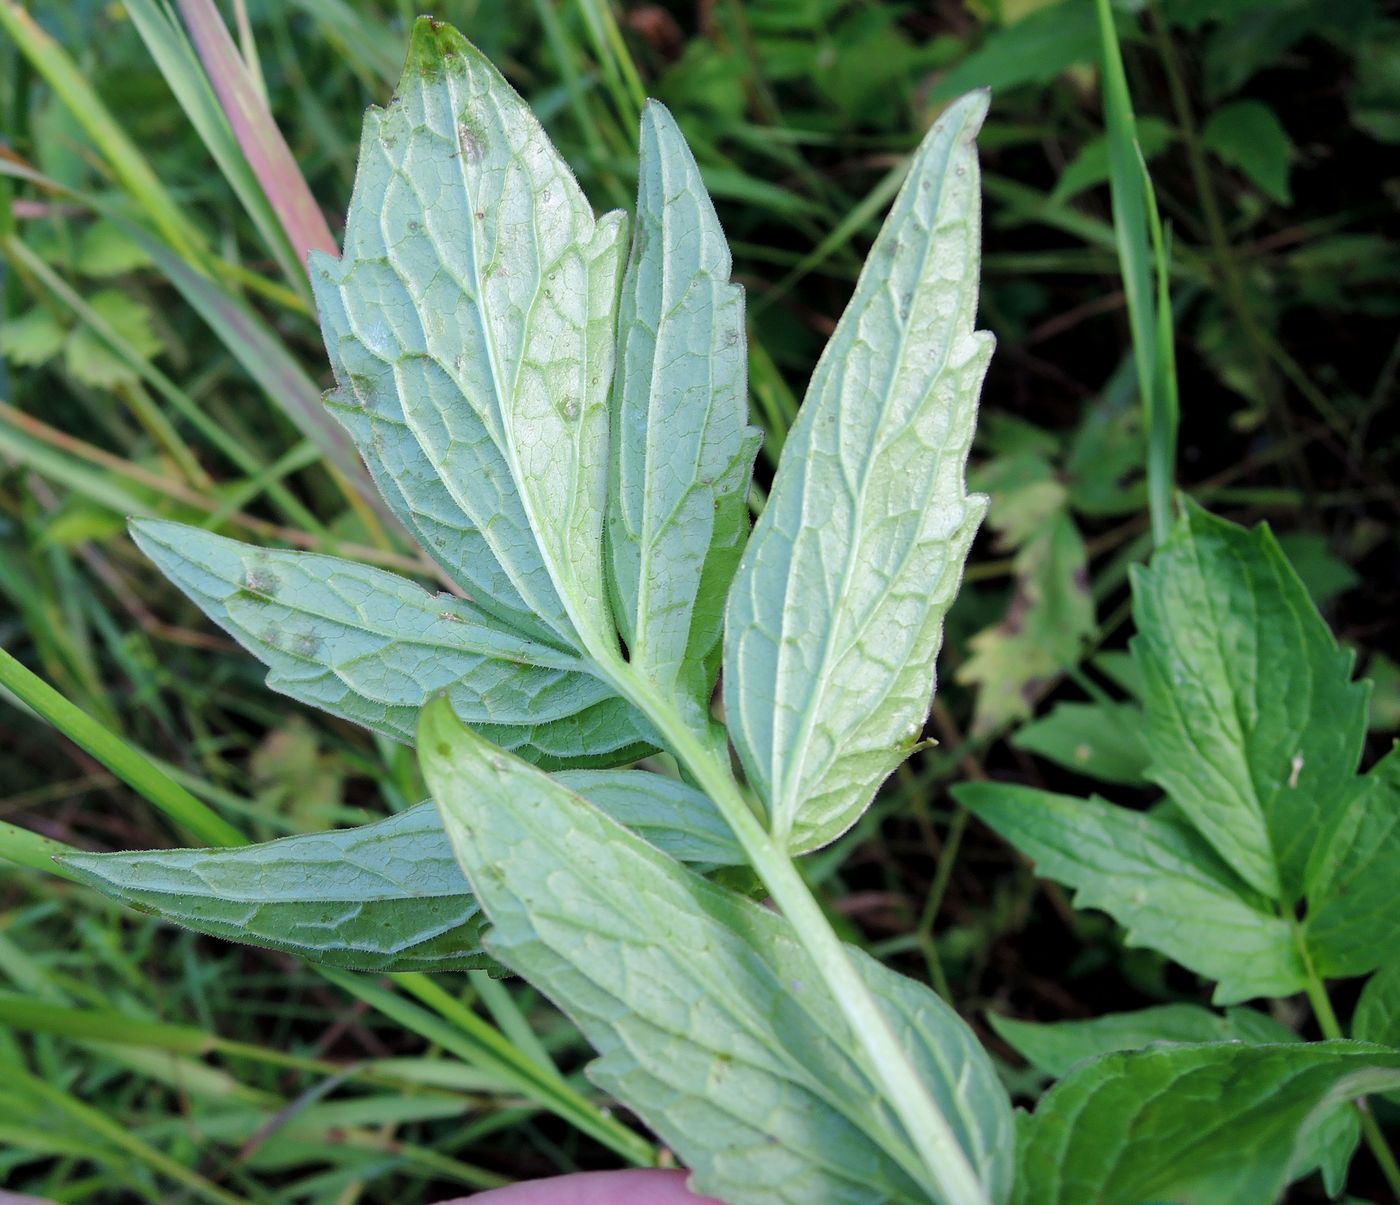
(1252,721)
(387,896)
(470,323)
(674,817)
(1209,1124)
(1156,878)
(682,450)
(709,1019)
(372,647)
(1353,921)
(836,613)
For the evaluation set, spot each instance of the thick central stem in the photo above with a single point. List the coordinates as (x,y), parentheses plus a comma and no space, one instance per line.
(941,1166)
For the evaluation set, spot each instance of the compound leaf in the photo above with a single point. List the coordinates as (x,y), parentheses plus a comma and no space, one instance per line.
(471,324)
(1156,878)
(710,1020)
(836,612)
(1048,618)
(1212,1124)
(682,450)
(1253,724)
(371,646)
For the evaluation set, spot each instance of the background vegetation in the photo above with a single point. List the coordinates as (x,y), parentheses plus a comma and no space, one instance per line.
(160,357)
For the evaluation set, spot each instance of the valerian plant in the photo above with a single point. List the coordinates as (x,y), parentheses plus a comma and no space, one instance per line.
(1268,867)
(558,414)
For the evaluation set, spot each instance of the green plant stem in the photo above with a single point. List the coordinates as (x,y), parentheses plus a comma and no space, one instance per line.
(937,1160)
(25,848)
(1332,1028)
(943,875)
(127,763)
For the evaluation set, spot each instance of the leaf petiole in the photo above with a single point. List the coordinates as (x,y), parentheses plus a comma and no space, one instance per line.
(936,1159)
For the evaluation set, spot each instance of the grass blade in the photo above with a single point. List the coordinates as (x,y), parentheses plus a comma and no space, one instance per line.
(175,57)
(131,766)
(1135,222)
(257,133)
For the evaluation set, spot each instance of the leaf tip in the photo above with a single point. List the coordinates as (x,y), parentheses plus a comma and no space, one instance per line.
(435,48)
(656,116)
(438,726)
(969,111)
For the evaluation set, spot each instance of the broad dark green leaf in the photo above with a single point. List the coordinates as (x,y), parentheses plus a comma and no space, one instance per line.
(1377,1016)
(388,896)
(836,613)
(1247,135)
(1102,740)
(471,326)
(1156,878)
(1033,50)
(1353,921)
(1253,723)
(372,647)
(711,1021)
(1323,573)
(1055,1047)
(1090,167)
(682,448)
(1214,1124)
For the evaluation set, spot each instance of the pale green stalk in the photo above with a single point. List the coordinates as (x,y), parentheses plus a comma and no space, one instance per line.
(945,1167)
